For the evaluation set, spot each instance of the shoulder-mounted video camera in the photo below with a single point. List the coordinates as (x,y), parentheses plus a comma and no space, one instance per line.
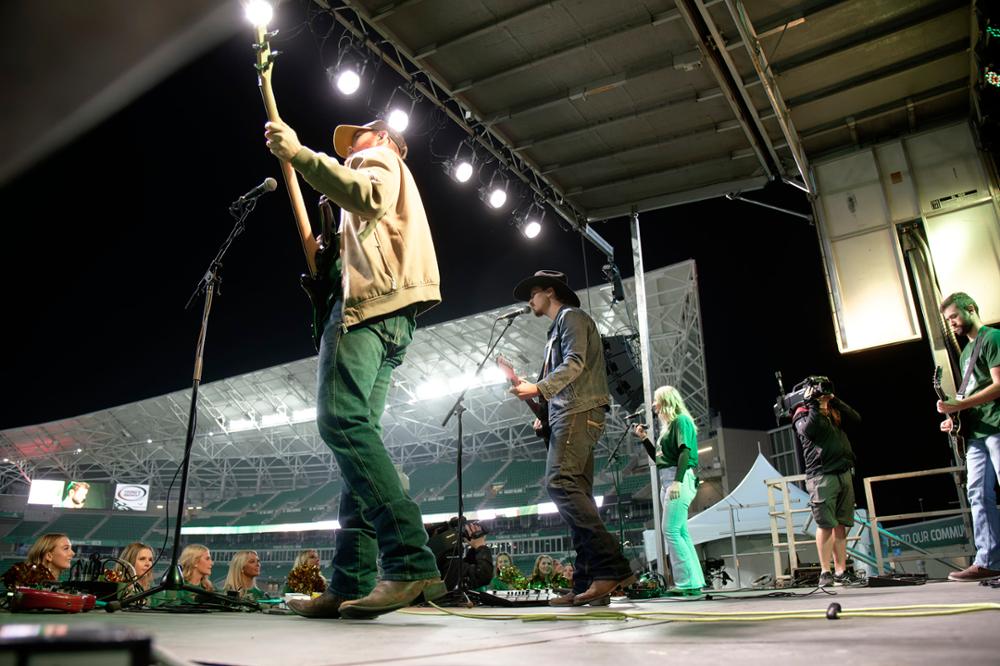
(808,389)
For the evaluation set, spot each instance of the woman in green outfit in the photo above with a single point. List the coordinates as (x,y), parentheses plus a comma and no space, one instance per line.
(676,456)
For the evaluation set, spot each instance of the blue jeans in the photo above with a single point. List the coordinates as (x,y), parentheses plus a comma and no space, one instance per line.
(982,460)
(684,561)
(376,516)
(569,477)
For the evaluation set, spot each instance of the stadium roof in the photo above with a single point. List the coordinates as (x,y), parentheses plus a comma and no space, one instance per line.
(256,431)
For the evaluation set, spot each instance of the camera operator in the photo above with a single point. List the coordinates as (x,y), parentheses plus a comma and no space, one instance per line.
(476,562)
(829,458)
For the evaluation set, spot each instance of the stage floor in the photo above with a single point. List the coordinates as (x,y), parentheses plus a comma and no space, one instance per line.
(424,638)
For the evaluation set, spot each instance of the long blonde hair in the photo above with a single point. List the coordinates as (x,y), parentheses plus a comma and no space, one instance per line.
(130,554)
(189,557)
(236,579)
(44,545)
(670,405)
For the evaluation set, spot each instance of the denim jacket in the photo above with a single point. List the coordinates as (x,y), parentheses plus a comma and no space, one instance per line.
(576,379)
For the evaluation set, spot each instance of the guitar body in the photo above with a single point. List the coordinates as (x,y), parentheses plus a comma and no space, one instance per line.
(958,432)
(538,406)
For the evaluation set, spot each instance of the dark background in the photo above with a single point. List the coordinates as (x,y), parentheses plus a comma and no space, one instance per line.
(106,239)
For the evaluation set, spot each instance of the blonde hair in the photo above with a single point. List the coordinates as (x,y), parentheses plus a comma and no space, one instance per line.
(44,545)
(670,404)
(236,579)
(303,557)
(189,557)
(130,555)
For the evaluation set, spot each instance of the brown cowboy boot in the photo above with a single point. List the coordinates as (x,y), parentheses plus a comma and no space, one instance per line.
(390,595)
(326,605)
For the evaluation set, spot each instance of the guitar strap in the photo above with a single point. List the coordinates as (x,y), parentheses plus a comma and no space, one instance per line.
(973,357)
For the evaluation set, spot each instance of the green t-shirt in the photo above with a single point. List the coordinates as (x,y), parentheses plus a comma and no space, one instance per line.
(984,420)
(681,432)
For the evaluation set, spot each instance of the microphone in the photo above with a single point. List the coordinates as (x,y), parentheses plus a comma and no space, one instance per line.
(636,414)
(515,312)
(269,185)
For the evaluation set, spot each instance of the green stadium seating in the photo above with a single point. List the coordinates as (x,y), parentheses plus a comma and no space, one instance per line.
(25,531)
(76,525)
(432,479)
(123,530)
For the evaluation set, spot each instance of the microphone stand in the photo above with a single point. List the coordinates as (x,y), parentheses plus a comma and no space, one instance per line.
(173,579)
(616,475)
(460,595)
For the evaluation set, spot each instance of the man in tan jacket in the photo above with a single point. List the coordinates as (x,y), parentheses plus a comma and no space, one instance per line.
(389,276)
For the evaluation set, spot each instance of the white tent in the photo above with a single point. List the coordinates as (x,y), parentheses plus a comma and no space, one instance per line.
(749,507)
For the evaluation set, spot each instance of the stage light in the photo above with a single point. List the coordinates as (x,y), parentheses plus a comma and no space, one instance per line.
(494,193)
(348,81)
(462,166)
(529,221)
(398,120)
(258,12)
(463,171)
(399,108)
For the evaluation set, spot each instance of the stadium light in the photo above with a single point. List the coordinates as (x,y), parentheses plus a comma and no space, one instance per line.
(258,12)
(399,109)
(462,166)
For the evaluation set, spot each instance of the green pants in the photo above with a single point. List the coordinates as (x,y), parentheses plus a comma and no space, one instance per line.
(683,557)
(376,517)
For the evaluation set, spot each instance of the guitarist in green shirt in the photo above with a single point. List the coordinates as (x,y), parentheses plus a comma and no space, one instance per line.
(979,404)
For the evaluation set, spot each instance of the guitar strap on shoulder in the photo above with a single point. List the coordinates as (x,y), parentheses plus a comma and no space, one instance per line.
(973,357)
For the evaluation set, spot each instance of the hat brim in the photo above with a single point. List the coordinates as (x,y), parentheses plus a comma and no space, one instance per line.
(343,137)
(522,291)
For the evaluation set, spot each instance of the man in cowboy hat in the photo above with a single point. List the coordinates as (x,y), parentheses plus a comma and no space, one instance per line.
(389,276)
(574,384)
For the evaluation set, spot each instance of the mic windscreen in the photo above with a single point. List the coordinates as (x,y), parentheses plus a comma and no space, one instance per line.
(270,184)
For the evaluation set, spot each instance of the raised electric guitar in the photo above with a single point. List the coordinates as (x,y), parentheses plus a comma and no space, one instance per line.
(321,282)
(538,406)
(957,435)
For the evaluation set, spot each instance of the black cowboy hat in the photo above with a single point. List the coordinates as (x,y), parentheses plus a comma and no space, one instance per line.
(545,280)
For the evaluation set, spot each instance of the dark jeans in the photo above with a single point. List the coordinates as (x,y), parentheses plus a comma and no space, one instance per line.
(569,479)
(376,515)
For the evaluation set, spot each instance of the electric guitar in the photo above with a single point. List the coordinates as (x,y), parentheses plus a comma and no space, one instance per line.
(322,281)
(957,435)
(538,406)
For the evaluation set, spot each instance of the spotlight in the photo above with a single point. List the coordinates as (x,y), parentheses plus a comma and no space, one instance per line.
(529,221)
(258,12)
(400,108)
(463,171)
(398,120)
(460,168)
(495,192)
(347,74)
(348,82)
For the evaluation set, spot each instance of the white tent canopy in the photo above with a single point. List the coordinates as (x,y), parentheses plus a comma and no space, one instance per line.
(750,510)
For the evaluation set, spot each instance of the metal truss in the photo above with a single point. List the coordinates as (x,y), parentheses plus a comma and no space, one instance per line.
(143,442)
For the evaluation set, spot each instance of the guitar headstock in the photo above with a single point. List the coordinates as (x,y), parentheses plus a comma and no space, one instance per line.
(265,56)
(936,383)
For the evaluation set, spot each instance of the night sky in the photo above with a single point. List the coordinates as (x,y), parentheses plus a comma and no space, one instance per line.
(106,239)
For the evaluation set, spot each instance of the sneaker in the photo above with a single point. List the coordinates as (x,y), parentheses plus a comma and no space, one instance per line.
(848,578)
(972,574)
(825,579)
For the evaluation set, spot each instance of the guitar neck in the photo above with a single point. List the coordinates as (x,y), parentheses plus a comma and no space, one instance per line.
(309,245)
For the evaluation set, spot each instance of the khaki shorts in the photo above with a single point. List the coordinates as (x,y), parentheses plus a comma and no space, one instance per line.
(831,497)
